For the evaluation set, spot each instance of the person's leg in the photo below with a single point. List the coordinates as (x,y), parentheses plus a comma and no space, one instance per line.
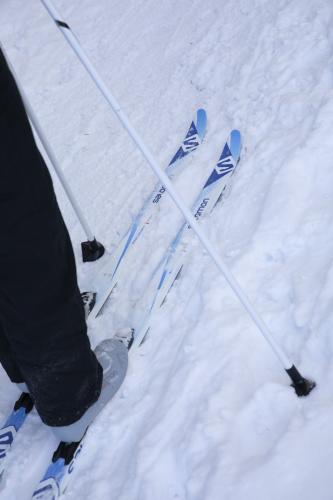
(7,360)
(41,306)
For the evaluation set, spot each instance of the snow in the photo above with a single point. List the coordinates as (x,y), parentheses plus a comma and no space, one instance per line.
(206,411)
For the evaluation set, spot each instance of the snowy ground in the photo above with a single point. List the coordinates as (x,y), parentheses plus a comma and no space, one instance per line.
(206,411)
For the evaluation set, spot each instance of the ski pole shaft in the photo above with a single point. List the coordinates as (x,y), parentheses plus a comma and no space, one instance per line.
(91,243)
(73,41)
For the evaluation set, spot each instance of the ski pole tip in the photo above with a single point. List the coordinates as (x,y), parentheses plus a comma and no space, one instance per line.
(302,386)
(92,250)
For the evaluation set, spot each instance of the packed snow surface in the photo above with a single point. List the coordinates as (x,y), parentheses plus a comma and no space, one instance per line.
(206,411)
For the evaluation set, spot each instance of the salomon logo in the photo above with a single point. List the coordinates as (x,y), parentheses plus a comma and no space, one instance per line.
(225,165)
(201,208)
(190,143)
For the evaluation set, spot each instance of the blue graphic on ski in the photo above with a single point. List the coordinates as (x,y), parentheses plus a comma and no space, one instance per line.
(13,424)
(59,472)
(107,279)
(215,188)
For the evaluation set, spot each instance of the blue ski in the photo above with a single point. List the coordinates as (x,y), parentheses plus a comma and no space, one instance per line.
(214,189)
(107,279)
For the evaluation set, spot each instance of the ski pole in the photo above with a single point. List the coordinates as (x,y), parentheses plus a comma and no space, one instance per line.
(91,249)
(302,385)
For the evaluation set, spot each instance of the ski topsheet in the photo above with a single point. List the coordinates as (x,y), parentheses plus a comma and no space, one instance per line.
(107,279)
(214,189)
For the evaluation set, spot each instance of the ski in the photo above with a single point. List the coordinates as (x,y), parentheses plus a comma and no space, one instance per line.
(107,278)
(13,424)
(214,190)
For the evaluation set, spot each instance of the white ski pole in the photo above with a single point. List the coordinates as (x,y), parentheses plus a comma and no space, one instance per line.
(302,385)
(91,249)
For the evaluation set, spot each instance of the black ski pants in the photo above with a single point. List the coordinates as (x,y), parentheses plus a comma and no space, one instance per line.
(43,333)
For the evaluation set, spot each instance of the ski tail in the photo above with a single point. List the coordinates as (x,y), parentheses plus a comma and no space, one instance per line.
(236,145)
(201,123)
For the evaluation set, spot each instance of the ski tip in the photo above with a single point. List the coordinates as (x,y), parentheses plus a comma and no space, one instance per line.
(201,122)
(235,144)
